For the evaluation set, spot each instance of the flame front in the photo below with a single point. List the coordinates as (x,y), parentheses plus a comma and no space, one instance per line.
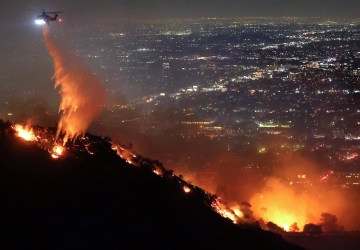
(234,215)
(25,133)
(125,154)
(41,138)
(238,212)
(56,151)
(224,211)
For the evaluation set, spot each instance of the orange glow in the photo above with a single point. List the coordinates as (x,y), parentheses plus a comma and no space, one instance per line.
(82,94)
(238,212)
(57,151)
(125,154)
(158,171)
(326,177)
(186,189)
(280,204)
(351,156)
(25,133)
(29,134)
(286,227)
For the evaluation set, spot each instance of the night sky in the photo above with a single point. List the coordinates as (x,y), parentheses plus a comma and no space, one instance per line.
(25,63)
(185,8)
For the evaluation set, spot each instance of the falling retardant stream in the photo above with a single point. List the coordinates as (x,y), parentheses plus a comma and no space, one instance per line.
(82,94)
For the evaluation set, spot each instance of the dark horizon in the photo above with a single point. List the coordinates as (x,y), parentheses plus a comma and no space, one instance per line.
(186,9)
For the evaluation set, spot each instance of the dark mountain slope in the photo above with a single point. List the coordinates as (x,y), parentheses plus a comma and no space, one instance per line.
(99,201)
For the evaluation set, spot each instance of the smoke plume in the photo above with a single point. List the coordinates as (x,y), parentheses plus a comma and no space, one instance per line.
(82,94)
(277,198)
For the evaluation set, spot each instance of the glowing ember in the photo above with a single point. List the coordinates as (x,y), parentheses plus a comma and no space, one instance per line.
(25,133)
(352,156)
(186,189)
(54,156)
(158,171)
(87,147)
(57,151)
(326,177)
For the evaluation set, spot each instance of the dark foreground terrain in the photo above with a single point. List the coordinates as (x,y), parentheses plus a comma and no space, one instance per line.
(99,201)
(326,241)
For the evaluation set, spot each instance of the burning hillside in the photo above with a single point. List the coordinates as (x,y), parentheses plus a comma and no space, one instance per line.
(94,193)
(45,139)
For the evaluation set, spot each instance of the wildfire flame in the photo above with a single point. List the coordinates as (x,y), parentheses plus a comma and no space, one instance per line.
(278,202)
(125,154)
(279,205)
(219,207)
(224,211)
(37,136)
(57,151)
(186,189)
(286,227)
(158,171)
(292,209)
(238,212)
(25,133)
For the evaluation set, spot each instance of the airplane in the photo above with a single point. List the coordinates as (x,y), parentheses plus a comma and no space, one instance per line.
(45,18)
